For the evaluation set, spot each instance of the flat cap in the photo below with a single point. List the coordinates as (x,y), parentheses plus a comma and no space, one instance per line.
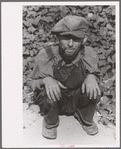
(71,25)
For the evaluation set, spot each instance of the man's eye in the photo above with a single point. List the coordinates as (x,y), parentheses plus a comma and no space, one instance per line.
(66,37)
(76,39)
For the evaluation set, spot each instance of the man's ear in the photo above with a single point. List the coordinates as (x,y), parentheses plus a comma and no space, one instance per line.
(85,39)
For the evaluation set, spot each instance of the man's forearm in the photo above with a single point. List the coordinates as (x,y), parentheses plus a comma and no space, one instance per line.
(33,84)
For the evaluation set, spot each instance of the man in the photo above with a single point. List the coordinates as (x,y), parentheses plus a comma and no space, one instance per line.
(65,78)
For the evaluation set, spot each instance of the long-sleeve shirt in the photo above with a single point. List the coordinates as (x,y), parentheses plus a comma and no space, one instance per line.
(44,65)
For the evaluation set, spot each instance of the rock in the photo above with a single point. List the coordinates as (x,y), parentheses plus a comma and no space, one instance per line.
(90,15)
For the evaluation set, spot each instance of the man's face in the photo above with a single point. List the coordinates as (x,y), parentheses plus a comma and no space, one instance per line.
(69,45)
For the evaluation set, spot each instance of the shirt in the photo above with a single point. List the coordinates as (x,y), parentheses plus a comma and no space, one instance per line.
(44,65)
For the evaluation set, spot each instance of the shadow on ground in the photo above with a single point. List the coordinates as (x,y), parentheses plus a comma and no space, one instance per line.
(70,132)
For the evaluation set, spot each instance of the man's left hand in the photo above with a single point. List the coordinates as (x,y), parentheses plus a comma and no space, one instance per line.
(91,86)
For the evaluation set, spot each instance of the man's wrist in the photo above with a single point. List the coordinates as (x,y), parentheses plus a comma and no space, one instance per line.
(92,75)
(43,80)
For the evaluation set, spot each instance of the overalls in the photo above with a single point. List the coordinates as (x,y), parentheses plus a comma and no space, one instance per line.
(72,99)
(72,77)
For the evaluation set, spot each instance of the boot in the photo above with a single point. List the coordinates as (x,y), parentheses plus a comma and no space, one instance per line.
(89,129)
(49,133)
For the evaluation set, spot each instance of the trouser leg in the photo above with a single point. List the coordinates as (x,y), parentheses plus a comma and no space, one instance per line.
(85,107)
(48,109)
(51,117)
(87,113)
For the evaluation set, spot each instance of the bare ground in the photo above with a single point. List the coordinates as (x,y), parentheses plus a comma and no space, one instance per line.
(70,132)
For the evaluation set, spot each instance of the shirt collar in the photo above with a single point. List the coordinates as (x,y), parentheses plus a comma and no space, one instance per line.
(75,61)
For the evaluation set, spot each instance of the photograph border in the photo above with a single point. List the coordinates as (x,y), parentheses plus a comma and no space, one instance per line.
(4,89)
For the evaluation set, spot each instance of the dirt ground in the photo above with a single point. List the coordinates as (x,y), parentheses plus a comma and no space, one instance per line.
(70,132)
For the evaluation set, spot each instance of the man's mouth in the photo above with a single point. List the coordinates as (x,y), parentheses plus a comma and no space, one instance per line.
(69,51)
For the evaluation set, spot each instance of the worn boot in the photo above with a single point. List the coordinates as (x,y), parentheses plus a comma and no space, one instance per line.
(89,129)
(49,133)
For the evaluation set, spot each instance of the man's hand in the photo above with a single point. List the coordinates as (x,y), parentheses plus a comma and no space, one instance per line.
(52,87)
(91,86)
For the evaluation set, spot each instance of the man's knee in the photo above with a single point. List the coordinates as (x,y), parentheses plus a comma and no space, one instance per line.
(87,97)
(49,101)
(97,99)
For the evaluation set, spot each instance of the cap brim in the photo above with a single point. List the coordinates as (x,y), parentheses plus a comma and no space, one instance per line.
(78,34)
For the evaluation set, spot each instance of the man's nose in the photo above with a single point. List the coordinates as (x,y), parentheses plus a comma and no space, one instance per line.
(70,43)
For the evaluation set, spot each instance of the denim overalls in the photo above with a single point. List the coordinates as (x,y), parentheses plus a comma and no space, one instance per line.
(72,77)
(72,99)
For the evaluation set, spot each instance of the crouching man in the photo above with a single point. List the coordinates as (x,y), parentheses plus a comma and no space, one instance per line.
(65,77)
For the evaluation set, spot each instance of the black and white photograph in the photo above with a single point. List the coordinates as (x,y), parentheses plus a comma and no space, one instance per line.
(68,73)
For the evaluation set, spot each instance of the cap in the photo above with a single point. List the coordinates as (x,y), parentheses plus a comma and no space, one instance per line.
(71,25)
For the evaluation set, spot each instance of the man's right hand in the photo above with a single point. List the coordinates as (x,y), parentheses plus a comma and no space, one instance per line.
(52,87)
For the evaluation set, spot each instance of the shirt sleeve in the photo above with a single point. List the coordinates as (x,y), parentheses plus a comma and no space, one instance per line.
(42,69)
(90,60)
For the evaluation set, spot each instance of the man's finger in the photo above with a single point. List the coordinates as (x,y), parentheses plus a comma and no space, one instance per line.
(52,94)
(56,93)
(83,88)
(95,93)
(87,90)
(47,92)
(61,85)
(91,92)
(98,89)
(59,91)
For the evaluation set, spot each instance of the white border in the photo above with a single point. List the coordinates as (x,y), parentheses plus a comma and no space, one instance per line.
(11,18)
(117,75)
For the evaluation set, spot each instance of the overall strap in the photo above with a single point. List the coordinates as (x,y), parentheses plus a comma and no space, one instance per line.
(81,65)
(49,52)
(51,55)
